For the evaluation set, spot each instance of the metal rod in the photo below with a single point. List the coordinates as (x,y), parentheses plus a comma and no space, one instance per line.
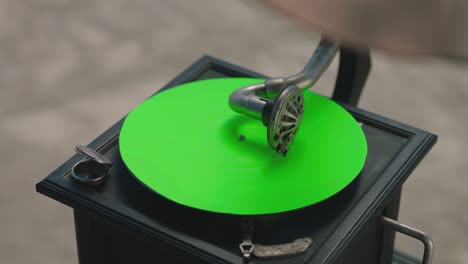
(251,99)
(315,67)
(414,233)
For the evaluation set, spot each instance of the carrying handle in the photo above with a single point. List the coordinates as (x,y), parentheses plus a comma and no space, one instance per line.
(414,233)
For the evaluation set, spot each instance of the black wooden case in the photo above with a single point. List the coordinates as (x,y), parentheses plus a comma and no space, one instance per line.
(123,222)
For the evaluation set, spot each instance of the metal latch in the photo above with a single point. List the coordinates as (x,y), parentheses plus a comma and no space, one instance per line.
(91,170)
(298,246)
(248,248)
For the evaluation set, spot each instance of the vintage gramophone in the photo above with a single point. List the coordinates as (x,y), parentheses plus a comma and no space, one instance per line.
(191,175)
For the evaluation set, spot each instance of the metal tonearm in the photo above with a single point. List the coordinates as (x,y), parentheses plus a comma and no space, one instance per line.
(279,102)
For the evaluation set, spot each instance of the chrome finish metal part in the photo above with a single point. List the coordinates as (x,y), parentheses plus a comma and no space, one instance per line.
(414,233)
(285,119)
(247,248)
(310,74)
(92,154)
(253,99)
(93,169)
(298,246)
(249,100)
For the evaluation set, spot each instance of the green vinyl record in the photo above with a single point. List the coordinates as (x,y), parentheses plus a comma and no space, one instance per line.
(187,145)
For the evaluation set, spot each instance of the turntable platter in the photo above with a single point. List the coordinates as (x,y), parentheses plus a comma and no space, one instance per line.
(187,145)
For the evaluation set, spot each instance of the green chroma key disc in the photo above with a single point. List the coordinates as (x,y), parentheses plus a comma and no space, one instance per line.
(187,145)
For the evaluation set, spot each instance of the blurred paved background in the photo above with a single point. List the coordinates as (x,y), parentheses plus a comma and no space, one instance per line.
(70,69)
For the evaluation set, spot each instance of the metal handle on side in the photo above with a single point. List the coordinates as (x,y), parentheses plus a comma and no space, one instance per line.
(414,233)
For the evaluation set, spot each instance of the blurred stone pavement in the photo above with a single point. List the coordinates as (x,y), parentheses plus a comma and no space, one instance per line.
(70,69)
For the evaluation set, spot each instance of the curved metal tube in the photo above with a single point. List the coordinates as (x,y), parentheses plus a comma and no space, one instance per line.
(248,100)
(316,66)
(251,99)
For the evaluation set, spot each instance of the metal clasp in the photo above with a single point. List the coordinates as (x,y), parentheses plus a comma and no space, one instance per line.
(93,169)
(246,247)
(296,247)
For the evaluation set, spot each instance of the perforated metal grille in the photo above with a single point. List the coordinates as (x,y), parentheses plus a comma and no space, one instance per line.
(286,119)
